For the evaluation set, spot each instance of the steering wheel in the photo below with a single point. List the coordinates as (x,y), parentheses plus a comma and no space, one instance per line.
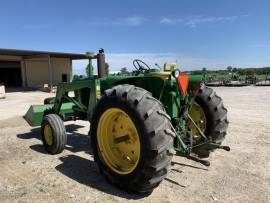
(140,65)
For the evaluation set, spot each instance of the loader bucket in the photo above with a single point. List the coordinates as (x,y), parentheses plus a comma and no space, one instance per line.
(35,113)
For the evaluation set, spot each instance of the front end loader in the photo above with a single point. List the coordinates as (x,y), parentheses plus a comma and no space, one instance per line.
(138,121)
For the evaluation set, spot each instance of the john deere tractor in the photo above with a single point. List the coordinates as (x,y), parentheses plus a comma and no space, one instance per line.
(137,121)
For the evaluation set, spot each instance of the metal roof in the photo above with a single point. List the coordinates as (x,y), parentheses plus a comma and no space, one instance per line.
(29,53)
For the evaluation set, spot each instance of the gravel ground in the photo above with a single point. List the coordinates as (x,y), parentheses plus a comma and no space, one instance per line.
(28,173)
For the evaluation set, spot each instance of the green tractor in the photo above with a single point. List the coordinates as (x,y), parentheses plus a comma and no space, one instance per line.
(138,121)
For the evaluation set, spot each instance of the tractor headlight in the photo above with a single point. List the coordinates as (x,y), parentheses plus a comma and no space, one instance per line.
(176,73)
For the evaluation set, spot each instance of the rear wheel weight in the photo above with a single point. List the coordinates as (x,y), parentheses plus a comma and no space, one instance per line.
(53,134)
(152,159)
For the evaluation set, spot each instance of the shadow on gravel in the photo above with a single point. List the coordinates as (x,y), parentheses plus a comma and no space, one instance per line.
(76,142)
(19,89)
(86,172)
(38,148)
(180,170)
(34,133)
(187,165)
(174,182)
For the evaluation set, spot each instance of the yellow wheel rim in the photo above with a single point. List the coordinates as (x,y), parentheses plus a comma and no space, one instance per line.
(197,114)
(48,134)
(118,141)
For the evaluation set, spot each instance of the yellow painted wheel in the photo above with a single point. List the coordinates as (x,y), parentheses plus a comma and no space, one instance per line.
(118,141)
(197,114)
(53,134)
(48,135)
(131,138)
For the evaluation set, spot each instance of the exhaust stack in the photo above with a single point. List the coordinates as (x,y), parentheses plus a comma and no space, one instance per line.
(101,66)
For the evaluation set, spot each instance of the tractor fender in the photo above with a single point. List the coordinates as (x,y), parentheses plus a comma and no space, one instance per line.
(193,80)
(155,85)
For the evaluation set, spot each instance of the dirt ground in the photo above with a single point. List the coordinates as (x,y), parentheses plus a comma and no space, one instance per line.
(29,174)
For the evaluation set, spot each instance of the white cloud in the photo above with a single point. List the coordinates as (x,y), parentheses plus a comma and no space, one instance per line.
(132,21)
(167,20)
(190,21)
(120,60)
(193,21)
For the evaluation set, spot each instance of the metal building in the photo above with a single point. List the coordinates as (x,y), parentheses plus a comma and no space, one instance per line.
(27,68)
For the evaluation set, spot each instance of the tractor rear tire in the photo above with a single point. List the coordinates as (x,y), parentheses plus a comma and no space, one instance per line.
(153,129)
(216,117)
(215,112)
(53,134)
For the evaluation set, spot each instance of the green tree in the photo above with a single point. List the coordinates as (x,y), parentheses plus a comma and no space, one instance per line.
(124,71)
(89,69)
(229,68)
(234,70)
(204,72)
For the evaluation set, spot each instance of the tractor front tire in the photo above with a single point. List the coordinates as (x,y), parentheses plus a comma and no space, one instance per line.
(53,134)
(132,138)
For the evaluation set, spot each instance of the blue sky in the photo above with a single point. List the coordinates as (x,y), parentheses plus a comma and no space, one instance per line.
(196,33)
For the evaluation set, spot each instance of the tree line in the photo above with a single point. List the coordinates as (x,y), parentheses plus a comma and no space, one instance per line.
(240,71)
